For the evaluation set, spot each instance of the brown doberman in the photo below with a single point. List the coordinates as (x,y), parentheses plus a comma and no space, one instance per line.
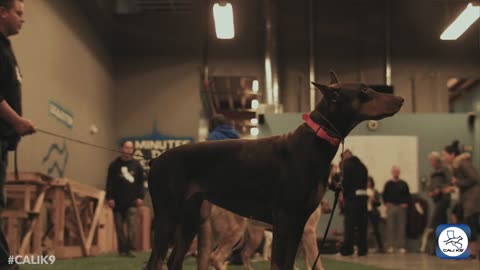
(279,180)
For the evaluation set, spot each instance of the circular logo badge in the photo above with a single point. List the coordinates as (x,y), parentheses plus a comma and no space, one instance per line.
(453,241)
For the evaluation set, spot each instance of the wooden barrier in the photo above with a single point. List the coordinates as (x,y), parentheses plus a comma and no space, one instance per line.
(64,201)
(63,217)
(144,225)
(24,201)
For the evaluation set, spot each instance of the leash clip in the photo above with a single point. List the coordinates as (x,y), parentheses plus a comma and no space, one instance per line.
(337,183)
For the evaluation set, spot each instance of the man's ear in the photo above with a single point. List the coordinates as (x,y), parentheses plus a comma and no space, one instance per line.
(329,93)
(333,77)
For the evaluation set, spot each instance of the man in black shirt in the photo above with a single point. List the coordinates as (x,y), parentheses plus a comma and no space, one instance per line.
(396,196)
(125,192)
(12,124)
(355,177)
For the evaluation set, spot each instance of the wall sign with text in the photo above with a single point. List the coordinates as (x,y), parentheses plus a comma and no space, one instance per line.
(60,113)
(153,145)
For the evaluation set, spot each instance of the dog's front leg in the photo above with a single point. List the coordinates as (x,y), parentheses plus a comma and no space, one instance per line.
(287,232)
(205,237)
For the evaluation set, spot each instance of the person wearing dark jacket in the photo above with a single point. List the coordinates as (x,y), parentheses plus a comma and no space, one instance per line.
(396,196)
(355,199)
(125,192)
(12,124)
(220,129)
(440,178)
(373,212)
(467,179)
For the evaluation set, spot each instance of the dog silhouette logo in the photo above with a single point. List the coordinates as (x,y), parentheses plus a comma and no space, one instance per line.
(453,241)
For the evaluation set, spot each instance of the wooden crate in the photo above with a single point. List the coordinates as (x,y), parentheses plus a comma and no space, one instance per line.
(63,217)
(33,192)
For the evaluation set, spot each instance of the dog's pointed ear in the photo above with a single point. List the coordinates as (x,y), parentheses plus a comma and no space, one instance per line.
(328,92)
(333,77)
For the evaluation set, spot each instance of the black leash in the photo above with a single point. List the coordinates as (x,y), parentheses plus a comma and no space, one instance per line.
(85,143)
(337,194)
(337,187)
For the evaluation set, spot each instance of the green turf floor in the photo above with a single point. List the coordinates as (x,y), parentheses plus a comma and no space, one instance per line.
(114,262)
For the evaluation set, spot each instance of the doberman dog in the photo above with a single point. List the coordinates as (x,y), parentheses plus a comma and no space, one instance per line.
(278,180)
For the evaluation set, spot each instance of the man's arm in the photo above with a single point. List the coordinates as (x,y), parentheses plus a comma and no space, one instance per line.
(21,125)
(386,193)
(406,197)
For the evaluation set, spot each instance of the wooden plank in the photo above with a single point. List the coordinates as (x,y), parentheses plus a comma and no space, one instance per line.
(143,228)
(34,223)
(15,191)
(38,233)
(13,214)
(59,216)
(77,218)
(37,207)
(29,177)
(84,190)
(28,198)
(96,216)
(59,182)
(102,235)
(13,234)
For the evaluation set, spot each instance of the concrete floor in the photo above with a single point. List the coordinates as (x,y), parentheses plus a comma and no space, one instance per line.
(409,261)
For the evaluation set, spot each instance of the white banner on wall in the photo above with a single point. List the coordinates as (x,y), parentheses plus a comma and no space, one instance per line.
(380,153)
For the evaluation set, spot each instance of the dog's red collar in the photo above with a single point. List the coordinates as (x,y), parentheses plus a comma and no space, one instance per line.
(320,131)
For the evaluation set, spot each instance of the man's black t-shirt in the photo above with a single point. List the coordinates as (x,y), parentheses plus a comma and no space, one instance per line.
(10,89)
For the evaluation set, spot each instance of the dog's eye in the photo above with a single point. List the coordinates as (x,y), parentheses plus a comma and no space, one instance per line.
(364,94)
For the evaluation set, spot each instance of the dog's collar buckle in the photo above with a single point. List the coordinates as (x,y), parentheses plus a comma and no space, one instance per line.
(320,131)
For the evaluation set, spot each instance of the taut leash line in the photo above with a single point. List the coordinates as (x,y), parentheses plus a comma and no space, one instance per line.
(83,142)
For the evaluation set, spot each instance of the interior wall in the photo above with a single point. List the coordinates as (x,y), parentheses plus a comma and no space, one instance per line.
(159,92)
(468,101)
(62,60)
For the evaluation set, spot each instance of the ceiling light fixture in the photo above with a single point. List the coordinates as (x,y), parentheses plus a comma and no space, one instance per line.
(223,17)
(462,22)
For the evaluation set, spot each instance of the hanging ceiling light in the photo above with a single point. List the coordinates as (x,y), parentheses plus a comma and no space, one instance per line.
(463,22)
(255,86)
(223,17)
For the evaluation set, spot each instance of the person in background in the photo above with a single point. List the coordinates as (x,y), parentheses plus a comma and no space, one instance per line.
(125,192)
(456,216)
(221,129)
(355,177)
(396,196)
(438,182)
(467,179)
(12,124)
(373,214)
